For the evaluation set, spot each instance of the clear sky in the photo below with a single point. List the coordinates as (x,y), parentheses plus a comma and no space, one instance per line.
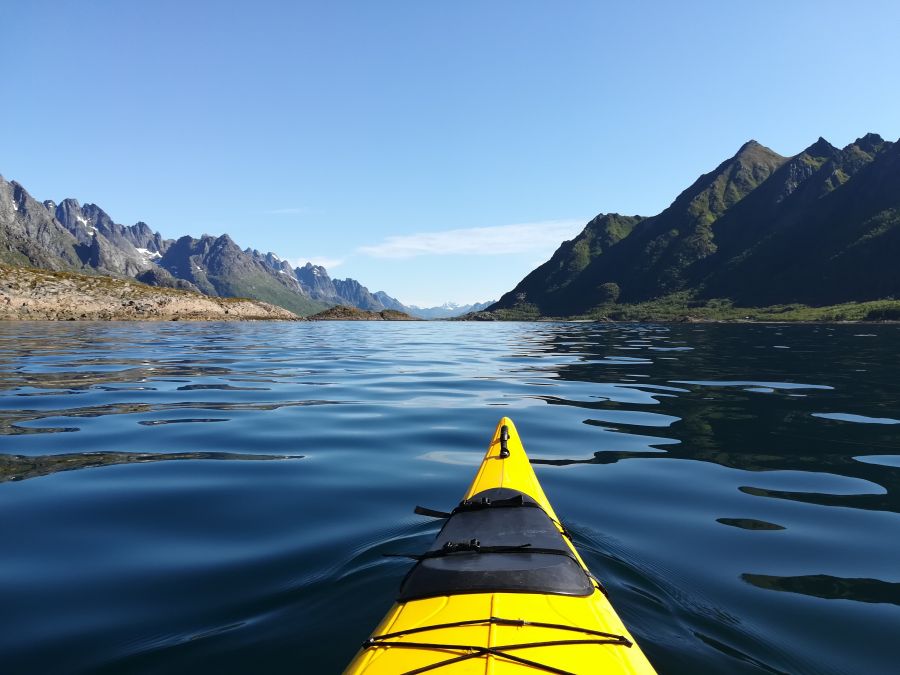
(434,150)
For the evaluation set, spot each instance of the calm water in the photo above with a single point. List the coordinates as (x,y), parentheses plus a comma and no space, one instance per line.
(176,497)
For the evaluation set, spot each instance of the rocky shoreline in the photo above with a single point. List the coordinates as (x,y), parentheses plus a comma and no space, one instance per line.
(28,294)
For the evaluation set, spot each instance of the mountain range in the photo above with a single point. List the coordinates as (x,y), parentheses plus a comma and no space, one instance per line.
(72,237)
(819,228)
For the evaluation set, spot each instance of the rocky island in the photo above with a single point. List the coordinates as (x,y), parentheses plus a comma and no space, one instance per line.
(344,313)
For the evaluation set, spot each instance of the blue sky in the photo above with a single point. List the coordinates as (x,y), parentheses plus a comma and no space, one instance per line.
(437,151)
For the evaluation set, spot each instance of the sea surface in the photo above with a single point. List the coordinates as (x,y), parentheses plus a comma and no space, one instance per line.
(181,497)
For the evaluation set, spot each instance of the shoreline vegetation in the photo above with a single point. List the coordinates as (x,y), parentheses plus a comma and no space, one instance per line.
(684,308)
(29,294)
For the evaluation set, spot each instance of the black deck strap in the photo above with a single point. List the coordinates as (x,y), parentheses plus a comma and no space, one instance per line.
(500,621)
(468,505)
(487,503)
(475,652)
(504,437)
(431,513)
(500,651)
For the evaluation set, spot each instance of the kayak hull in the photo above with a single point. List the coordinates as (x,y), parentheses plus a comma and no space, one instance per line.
(455,634)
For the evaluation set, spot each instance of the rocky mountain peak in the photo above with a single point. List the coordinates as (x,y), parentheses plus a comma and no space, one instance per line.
(315,281)
(750,146)
(72,236)
(357,294)
(821,149)
(70,213)
(754,153)
(225,240)
(317,270)
(141,229)
(870,143)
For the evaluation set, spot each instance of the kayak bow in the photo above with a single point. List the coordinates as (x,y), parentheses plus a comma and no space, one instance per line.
(502,591)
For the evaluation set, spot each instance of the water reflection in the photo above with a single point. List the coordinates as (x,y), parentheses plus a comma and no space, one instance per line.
(680,456)
(21,467)
(13,421)
(830,588)
(749,524)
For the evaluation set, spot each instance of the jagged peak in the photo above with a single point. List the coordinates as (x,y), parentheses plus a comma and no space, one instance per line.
(224,241)
(870,143)
(611,216)
(752,149)
(870,137)
(95,213)
(350,282)
(821,148)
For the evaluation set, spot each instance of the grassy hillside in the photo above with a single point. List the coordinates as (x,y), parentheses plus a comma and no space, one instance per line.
(817,230)
(685,307)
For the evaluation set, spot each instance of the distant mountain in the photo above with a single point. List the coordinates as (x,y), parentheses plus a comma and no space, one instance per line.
(348,292)
(218,267)
(389,302)
(819,228)
(319,286)
(30,234)
(69,236)
(357,295)
(448,310)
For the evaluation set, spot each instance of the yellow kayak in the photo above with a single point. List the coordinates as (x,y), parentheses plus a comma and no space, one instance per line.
(502,591)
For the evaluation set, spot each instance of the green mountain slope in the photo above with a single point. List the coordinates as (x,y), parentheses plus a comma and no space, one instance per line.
(559,285)
(834,240)
(819,228)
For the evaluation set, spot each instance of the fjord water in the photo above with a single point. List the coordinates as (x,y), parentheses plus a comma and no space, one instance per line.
(218,497)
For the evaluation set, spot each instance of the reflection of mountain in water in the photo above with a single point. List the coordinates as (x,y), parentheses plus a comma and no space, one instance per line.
(20,467)
(749,523)
(722,411)
(830,588)
(11,420)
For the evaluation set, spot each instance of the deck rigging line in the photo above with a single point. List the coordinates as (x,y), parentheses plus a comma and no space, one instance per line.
(501,651)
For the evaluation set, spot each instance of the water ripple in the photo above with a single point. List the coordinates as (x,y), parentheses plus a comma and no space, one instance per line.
(737,526)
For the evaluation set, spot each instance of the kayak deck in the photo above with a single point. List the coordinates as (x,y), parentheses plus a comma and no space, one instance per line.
(504,633)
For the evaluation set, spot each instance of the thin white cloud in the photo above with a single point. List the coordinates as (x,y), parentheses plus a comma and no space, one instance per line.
(495,240)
